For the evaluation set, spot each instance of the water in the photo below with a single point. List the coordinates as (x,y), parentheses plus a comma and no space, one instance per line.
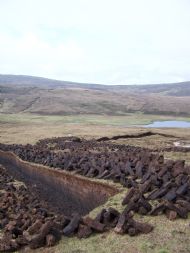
(169,123)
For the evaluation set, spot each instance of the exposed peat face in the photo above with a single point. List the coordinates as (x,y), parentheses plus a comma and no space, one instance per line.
(154,186)
(65,192)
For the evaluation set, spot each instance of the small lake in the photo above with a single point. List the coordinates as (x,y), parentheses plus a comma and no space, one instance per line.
(169,123)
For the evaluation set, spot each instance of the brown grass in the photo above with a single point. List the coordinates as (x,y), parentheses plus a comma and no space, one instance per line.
(61,101)
(167,236)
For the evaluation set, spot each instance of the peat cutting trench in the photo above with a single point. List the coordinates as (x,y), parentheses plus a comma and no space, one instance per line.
(64,192)
(58,174)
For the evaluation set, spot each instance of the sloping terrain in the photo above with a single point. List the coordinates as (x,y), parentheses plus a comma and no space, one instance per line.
(45,96)
(152,188)
(170,89)
(173,89)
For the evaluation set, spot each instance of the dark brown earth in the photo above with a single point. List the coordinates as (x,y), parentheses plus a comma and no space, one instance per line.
(65,192)
(155,185)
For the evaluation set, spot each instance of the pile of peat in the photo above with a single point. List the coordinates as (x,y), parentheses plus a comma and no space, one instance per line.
(156,185)
(27,221)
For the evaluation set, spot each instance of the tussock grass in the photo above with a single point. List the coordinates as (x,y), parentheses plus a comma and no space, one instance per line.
(167,236)
(29,128)
(178,156)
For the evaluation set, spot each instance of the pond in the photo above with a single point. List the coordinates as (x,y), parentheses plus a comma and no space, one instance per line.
(169,123)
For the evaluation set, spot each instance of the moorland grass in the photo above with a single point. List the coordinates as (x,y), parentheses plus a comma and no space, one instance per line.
(167,236)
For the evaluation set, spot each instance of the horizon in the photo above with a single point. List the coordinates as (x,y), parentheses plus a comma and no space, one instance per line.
(102,42)
(70,81)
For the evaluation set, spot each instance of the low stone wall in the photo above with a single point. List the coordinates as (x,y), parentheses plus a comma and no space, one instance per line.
(65,191)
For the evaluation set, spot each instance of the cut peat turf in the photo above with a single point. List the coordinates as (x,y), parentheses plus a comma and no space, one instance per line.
(65,192)
(153,185)
(32,216)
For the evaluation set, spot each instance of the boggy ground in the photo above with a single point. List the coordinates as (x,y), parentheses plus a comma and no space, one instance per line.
(23,128)
(156,186)
(64,191)
(28,221)
(24,218)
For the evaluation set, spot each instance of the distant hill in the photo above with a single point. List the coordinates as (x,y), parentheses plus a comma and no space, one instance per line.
(173,89)
(46,96)
(22,80)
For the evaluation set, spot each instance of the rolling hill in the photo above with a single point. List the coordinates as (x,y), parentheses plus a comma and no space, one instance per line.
(45,96)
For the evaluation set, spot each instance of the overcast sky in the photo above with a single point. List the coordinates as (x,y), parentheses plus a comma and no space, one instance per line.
(98,41)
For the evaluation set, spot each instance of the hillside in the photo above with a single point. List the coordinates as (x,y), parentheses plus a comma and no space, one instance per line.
(172,89)
(46,96)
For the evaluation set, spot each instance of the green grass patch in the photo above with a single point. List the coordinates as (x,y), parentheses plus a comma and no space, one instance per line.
(127,120)
(178,156)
